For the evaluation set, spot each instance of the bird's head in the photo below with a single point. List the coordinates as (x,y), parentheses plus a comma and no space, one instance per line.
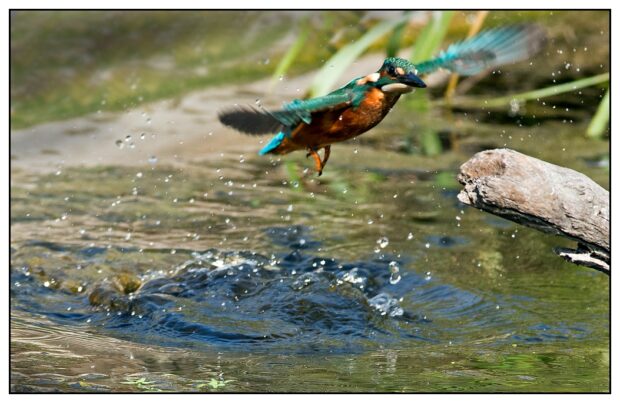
(398,75)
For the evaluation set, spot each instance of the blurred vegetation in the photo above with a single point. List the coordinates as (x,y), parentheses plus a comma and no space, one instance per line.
(338,63)
(544,92)
(292,53)
(600,122)
(70,63)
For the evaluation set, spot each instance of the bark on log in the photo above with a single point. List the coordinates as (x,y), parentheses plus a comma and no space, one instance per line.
(544,196)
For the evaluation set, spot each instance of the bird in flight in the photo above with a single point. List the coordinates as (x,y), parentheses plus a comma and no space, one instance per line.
(317,123)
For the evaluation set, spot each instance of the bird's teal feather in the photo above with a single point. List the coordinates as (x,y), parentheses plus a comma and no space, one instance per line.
(299,110)
(273,143)
(488,49)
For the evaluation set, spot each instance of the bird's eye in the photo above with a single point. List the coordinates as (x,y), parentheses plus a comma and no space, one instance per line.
(391,71)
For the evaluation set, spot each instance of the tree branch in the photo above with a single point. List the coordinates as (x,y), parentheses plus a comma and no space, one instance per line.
(544,196)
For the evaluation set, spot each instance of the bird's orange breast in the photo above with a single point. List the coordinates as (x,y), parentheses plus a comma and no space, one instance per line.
(339,125)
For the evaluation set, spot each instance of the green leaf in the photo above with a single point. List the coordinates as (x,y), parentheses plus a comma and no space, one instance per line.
(599,122)
(429,40)
(540,93)
(338,63)
(425,47)
(393,44)
(291,54)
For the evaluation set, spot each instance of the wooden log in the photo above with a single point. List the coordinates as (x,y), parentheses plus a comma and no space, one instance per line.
(544,196)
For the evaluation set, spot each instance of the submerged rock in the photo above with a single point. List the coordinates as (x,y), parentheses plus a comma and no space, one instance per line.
(126,283)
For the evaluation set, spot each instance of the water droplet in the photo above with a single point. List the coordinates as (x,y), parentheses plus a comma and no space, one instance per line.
(394,272)
(46,284)
(142,136)
(410,236)
(119,143)
(383,242)
(139,175)
(152,160)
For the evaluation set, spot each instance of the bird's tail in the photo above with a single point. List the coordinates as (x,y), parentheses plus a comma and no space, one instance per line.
(273,144)
(488,49)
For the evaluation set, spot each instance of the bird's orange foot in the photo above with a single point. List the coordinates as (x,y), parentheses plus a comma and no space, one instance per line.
(317,161)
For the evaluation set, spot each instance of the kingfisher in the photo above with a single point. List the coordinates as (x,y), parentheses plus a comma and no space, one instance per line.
(316,123)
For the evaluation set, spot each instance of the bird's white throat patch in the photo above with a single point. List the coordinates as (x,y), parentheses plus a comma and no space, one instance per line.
(397,87)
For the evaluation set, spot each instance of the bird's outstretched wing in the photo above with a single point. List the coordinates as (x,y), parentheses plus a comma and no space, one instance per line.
(251,120)
(490,48)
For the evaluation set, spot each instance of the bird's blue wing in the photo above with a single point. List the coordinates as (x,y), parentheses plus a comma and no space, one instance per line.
(490,48)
